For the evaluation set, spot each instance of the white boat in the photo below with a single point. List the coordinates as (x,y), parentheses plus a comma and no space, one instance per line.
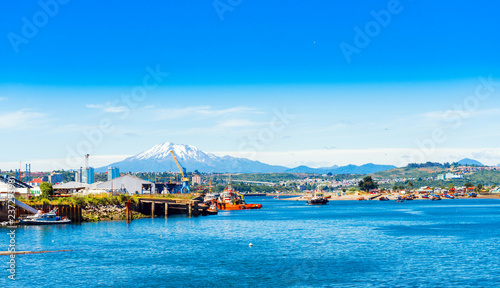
(40,218)
(210,197)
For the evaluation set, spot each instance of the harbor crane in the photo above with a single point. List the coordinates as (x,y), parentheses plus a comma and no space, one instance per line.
(185,180)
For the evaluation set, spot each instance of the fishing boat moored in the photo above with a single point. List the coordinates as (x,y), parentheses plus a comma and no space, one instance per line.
(49,218)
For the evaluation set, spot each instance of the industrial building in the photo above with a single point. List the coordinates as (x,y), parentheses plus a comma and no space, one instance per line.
(449,176)
(70,188)
(113,173)
(127,184)
(196,179)
(56,178)
(19,188)
(78,177)
(88,175)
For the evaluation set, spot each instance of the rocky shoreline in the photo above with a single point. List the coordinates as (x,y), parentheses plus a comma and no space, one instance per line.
(108,213)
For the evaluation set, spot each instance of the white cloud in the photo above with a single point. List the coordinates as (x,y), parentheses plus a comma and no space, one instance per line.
(213,112)
(116,109)
(21,119)
(238,123)
(206,111)
(108,108)
(465,114)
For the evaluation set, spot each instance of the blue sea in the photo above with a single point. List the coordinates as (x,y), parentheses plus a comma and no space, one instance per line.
(451,243)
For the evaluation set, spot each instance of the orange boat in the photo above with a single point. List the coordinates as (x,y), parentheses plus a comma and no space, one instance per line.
(231,200)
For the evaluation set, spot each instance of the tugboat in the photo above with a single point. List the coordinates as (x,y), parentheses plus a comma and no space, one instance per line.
(40,218)
(230,200)
(318,199)
(212,209)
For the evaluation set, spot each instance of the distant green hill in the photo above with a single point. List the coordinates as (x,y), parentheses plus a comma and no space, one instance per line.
(420,175)
(470,162)
(485,177)
(410,172)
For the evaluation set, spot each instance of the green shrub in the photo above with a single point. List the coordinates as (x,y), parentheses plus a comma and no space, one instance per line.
(81,201)
(93,201)
(115,200)
(59,201)
(102,201)
(47,190)
(124,198)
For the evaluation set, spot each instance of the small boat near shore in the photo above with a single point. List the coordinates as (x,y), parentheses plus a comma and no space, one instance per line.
(40,218)
(318,199)
(435,197)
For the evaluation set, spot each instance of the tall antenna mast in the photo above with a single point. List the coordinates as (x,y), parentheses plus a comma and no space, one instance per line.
(87,161)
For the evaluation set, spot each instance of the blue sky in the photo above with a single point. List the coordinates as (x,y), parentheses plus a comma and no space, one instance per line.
(227,78)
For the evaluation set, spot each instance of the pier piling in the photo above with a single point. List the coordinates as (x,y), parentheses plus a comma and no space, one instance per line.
(189,208)
(129,212)
(196,209)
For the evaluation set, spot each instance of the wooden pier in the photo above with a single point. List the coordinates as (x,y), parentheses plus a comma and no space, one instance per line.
(168,207)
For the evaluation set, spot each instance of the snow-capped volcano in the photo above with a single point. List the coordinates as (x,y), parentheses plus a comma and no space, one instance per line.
(159,159)
(182,152)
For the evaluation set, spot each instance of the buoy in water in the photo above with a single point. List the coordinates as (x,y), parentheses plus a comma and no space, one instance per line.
(250,244)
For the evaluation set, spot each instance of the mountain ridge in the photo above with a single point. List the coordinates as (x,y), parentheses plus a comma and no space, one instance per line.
(159,159)
(468,161)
